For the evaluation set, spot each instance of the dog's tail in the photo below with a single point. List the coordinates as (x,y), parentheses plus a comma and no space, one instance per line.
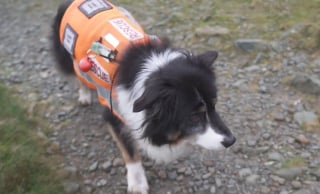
(63,58)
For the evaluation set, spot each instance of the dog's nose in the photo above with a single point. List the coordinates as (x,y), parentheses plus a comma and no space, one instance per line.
(228,141)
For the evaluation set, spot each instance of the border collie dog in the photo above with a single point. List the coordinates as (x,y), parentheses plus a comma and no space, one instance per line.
(159,100)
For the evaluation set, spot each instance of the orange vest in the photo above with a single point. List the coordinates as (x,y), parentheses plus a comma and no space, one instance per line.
(98,21)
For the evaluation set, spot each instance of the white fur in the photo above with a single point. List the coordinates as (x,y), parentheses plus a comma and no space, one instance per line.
(210,140)
(84,95)
(152,64)
(164,153)
(137,181)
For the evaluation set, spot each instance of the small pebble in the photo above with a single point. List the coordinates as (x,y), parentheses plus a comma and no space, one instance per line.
(93,167)
(117,162)
(106,165)
(101,182)
(244,172)
(252,179)
(213,189)
(302,139)
(296,185)
(206,176)
(162,174)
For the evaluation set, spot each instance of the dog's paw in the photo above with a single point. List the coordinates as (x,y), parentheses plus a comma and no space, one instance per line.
(84,100)
(137,181)
(84,96)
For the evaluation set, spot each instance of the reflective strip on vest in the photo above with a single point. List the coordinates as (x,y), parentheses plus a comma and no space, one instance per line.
(103,93)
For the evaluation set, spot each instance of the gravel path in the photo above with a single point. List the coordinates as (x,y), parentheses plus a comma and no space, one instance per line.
(273,154)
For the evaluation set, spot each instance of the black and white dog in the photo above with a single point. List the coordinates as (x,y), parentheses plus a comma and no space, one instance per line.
(166,98)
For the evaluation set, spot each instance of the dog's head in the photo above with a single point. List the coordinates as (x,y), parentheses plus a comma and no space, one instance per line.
(180,104)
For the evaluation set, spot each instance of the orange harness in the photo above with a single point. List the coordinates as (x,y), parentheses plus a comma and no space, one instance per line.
(98,32)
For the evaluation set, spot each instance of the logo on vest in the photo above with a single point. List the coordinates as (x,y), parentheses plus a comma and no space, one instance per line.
(98,70)
(92,7)
(69,39)
(126,29)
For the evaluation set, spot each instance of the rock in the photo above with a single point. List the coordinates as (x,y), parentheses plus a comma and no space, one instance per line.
(118,162)
(266,136)
(296,184)
(253,68)
(101,182)
(162,174)
(172,175)
(278,116)
(252,45)
(106,165)
(302,139)
(181,170)
(213,189)
(278,179)
(306,118)
(208,163)
(88,189)
(259,58)
(302,191)
(71,187)
(44,74)
(252,143)
(218,182)
(306,83)
(252,179)
(206,176)
(239,83)
(87,182)
(275,156)
(212,31)
(188,172)
(284,192)
(316,173)
(93,167)
(244,172)
(289,173)
(263,89)
(265,190)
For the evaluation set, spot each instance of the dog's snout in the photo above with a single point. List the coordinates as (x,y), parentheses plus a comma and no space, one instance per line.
(228,141)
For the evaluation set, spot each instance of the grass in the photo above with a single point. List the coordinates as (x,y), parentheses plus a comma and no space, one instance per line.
(295,162)
(24,166)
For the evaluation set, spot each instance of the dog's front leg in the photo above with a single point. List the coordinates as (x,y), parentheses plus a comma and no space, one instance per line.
(84,95)
(137,181)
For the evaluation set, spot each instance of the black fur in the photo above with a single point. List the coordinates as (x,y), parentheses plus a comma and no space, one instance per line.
(120,131)
(173,94)
(64,60)
(132,61)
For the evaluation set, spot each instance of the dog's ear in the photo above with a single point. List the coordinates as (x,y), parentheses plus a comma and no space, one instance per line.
(144,101)
(208,58)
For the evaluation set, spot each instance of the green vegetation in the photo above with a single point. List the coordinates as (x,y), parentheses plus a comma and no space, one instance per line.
(295,162)
(24,167)
(269,18)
